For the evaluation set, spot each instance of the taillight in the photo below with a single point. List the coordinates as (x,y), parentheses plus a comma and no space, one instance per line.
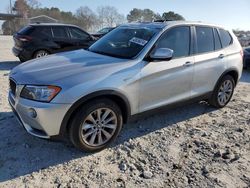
(25,38)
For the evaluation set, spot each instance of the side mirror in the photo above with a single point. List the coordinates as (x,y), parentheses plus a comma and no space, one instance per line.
(162,54)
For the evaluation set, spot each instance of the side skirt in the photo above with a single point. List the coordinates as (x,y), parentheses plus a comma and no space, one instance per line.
(169,107)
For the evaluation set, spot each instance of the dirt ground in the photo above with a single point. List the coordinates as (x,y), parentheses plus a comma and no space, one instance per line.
(191,146)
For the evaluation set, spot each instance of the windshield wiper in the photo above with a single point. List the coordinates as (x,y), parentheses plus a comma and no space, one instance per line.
(108,54)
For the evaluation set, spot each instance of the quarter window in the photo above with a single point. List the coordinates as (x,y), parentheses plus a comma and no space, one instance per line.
(226,38)
(205,39)
(60,32)
(26,30)
(177,39)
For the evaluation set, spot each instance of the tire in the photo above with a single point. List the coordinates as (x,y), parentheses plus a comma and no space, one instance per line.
(216,99)
(40,53)
(83,125)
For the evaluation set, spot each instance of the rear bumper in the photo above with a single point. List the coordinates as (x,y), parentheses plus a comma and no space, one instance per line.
(48,120)
(22,53)
(16,51)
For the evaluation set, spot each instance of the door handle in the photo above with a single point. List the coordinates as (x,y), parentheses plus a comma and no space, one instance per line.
(221,56)
(187,64)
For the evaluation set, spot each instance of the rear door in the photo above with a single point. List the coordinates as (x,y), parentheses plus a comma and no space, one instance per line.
(231,48)
(210,60)
(80,38)
(62,39)
(42,36)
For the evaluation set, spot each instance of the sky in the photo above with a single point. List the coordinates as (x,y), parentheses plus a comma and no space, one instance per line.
(233,14)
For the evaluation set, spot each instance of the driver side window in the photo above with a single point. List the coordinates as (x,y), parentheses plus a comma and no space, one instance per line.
(176,39)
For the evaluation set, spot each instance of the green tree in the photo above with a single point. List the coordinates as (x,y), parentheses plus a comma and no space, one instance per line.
(145,15)
(134,15)
(172,16)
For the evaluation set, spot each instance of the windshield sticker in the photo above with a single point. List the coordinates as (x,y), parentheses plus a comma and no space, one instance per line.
(138,41)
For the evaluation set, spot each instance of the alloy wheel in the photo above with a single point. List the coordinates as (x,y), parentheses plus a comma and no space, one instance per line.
(41,54)
(99,127)
(225,92)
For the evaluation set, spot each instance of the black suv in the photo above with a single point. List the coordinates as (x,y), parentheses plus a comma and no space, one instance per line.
(247,57)
(39,40)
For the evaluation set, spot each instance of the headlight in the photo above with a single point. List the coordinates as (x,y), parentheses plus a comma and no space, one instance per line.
(40,93)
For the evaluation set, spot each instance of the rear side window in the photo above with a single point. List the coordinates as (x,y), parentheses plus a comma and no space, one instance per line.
(59,32)
(205,39)
(177,39)
(217,43)
(225,37)
(78,34)
(26,30)
(44,32)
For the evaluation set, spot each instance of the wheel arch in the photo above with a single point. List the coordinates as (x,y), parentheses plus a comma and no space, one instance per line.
(232,72)
(115,96)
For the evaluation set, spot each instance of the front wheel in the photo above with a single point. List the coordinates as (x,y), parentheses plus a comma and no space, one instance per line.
(96,125)
(223,92)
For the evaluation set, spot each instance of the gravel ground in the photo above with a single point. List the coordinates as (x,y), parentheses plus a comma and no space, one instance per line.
(191,146)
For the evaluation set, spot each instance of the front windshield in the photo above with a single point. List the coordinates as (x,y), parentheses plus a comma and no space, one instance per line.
(124,42)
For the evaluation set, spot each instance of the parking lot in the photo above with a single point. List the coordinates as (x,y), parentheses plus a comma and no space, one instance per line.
(194,145)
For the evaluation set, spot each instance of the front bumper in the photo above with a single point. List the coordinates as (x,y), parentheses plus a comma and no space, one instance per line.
(48,120)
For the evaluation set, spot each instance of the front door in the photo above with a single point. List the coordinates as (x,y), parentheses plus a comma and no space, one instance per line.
(166,82)
(80,39)
(62,39)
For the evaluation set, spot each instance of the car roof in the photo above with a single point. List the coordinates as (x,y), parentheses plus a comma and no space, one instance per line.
(163,24)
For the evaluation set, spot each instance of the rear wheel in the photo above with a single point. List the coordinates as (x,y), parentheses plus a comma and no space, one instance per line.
(223,92)
(96,125)
(41,53)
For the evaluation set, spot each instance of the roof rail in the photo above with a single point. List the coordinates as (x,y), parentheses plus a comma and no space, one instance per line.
(163,20)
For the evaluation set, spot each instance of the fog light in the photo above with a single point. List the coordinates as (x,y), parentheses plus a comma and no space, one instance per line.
(32,113)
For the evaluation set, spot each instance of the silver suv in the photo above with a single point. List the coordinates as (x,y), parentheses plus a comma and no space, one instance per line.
(89,94)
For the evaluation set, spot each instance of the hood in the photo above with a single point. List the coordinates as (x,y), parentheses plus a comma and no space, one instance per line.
(57,69)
